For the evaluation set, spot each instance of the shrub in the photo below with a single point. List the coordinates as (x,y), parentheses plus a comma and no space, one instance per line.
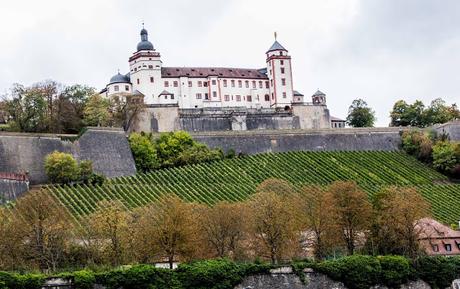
(17,281)
(444,156)
(61,168)
(144,152)
(396,270)
(438,271)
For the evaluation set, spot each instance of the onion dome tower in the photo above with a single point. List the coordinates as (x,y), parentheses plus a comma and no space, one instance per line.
(145,44)
(319,98)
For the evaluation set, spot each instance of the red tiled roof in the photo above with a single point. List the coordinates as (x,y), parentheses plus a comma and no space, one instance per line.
(432,229)
(213,71)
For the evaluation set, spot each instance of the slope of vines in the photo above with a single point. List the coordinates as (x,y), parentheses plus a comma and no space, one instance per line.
(236,179)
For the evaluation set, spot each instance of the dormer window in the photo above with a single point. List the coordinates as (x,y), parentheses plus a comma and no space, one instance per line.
(448,247)
(435,248)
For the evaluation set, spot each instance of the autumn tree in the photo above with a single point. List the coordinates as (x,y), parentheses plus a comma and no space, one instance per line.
(11,241)
(110,225)
(46,228)
(351,211)
(275,185)
(315,210)
(397,212)
(360,114)
(224,228)
(174,229)
(274,225)
(96,112)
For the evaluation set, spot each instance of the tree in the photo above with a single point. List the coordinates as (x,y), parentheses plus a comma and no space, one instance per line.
(144,152)
(438,112)
(126,110)
(224,228)
(444,156)
(110,223)
(61,168)
(316,212)
(96,112)
(404,114)
(351,210)
(174,229)
(397,212)
(360,115)
(170,145)
(11,242)
(275,185)
(274,226)
(46,228)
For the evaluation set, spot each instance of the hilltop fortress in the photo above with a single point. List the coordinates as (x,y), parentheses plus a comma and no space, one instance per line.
(217,98)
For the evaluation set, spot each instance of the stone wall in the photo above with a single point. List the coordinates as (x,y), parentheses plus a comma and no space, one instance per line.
(108,149)
(452,128)
(12,189)
(283,278)
(253,142)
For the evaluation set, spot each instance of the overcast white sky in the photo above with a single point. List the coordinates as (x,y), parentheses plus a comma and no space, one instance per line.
(378,50)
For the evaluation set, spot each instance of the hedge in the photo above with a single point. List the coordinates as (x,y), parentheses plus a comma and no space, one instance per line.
(356,272)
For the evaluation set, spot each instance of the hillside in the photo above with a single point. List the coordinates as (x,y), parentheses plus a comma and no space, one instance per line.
(236,179)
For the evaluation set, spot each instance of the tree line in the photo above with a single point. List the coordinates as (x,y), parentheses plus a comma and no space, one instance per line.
(51,107)
(278,223)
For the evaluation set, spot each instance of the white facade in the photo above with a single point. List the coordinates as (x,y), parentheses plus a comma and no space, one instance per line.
(197,87)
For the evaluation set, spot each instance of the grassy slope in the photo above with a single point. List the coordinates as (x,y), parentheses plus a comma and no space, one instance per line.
(236,179)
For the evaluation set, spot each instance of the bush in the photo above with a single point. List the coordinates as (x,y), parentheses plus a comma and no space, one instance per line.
(444,158)
(144,152)
(61,168)
(439,272)
(17,281)
(396,270)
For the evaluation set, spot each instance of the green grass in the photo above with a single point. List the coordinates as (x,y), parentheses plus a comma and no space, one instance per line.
(236,179)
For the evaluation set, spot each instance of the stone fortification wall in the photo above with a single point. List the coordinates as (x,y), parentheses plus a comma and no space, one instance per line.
(452,128)
(108,149)
(160,118)
(12,186)
(303,140)
(283,278)
(25,153)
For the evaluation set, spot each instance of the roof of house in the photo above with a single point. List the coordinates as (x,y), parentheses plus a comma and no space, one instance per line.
(333,118)
(165,92)
(433,229)
(296,93)
(318,93)
(213,71)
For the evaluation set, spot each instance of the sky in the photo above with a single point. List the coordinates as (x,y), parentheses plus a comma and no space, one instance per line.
(377,50)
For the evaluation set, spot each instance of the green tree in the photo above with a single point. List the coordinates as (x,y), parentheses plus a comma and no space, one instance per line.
(144,152)
(360,115)
(444,156)
(96,112)
(439,112)
(61,168)
(404,114)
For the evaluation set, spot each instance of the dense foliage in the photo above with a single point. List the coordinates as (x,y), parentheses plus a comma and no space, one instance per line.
(356,272)
(62,168)
(360,114)
(236,179)
(416,114)
(52,107)
(169,150)
(437,151)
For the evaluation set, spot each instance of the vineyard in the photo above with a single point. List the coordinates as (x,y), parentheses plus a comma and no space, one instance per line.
(236,179)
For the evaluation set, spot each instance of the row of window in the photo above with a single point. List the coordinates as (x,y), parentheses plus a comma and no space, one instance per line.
(224,83)
(117,88)
(447,247)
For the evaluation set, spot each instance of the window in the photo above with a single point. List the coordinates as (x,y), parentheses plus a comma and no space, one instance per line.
(270,72)
(267,97)
(198,96)
(225,82)
(213,82)
(172,96)
(151,79)
(135,68)
(127,87)
(240,83)
(281,52)
(205,83)
(138,81)
(116,88)
(273,96)
(271,81)
(238,98)
(282,70)
(150,66)
(166,83)
(233,83)
(200,84)
(190,84)
(254,84)
(214,94)
(282,62)
(166,96)
(283,81)
(260,84)
(175,84)
(448,247)
(249,98)
(267,85)
(227,97)
(435,248)
(284,94)
(206,96)
(247,83)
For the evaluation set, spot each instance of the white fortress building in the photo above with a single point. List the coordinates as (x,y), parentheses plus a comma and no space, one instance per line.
(212,90)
